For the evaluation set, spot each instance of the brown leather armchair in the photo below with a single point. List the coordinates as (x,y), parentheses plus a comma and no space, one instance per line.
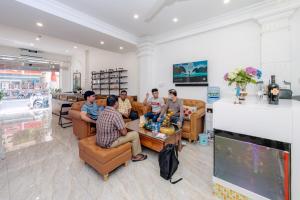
(192,128)
(81,128)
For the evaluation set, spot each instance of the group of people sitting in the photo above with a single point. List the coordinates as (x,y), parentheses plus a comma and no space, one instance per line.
(109,120)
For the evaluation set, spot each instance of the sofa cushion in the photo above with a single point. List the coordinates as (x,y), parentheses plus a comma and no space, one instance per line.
(186,126)
(102,155)
(188,111)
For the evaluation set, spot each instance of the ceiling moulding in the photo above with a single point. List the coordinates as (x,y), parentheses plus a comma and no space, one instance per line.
(253,12)
(61,10)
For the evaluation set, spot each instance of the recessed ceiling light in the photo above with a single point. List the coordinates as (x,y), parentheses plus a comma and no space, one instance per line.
(226,1)
(175,19)
(121,48)
(38,38)
(75,47)
(31,44)
(102,42)
(136,16)
(39,24)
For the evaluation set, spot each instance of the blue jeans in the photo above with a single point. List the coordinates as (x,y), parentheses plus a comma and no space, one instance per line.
(151,115)
(175,120)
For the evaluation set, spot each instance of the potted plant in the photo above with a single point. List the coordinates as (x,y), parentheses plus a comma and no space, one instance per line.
(241,78)
(55,92)
(1,95)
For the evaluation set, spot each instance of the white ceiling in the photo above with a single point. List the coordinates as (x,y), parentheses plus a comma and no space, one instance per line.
(120,13)
(17,15)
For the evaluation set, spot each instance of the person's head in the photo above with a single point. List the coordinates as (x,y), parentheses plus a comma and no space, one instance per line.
(89,96)
(123,94)
(172,94)
(155,92)
(112,101)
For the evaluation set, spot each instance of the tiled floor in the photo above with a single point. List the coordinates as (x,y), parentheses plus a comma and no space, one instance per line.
(42,162)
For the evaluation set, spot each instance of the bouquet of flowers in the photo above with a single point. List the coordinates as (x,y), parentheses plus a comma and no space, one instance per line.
(241,77)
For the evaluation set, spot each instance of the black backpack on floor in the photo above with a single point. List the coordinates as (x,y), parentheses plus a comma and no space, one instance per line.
(168,162)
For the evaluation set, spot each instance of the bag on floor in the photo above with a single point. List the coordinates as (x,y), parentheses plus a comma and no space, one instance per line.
(168,162)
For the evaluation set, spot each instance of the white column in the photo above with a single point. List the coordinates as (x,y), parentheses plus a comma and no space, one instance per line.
(87,78)
(145,56)
(276,46)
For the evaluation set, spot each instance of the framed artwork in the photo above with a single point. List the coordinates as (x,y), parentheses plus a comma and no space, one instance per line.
(76,81)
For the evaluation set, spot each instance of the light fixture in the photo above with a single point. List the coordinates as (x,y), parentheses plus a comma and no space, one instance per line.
(31,44)
(121,48)
(39,24)
(75,47)
(175,19)
(226,1)
(38,38)
(136,16)
(102,42)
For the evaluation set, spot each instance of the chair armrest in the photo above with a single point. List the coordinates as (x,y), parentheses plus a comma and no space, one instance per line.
(198,114)
(74,114)
(81,128)
(197,123)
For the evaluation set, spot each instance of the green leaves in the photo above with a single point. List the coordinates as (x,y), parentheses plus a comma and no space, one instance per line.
(240,77)
(1,95)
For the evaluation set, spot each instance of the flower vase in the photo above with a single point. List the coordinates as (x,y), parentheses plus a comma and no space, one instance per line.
(243,93)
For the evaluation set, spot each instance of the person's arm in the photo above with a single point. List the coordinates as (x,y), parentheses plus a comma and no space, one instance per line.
(119,123)
(146,100)
(163,111)
(123,131)
(129,107)
(162,104)
(84,116)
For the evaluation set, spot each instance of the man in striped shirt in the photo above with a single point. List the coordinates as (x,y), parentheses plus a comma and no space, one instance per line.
(111,131)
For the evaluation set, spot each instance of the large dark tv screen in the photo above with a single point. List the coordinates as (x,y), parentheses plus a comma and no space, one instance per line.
(193,72)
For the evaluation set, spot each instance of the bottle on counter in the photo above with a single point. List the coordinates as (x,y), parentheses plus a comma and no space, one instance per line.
(273,91)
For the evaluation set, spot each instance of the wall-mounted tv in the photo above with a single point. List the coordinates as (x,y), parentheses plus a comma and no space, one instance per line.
(193,72)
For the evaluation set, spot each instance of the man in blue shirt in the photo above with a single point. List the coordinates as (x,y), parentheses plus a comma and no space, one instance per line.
(90,110)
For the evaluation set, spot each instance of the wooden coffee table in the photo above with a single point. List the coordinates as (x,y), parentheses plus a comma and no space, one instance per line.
(149,139)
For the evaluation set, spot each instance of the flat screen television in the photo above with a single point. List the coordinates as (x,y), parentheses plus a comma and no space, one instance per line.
(193,72)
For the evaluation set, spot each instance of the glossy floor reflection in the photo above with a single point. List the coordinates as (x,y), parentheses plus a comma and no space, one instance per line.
(37,168)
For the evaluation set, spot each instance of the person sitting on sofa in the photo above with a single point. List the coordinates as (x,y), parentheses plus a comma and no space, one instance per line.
(176,106)
(111,130)
(90,110)
(156,104)
(125,107)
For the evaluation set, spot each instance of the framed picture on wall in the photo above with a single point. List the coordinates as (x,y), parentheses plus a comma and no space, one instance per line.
(76,81)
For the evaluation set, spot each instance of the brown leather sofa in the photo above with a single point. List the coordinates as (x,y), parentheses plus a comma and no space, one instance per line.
(103,160)
(192,128)
(82,129)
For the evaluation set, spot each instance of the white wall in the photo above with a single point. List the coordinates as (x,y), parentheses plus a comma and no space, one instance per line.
(238,45)
(295,30)
(225,49)
(98,59)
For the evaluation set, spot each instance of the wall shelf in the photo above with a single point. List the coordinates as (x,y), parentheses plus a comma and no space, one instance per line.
(103,78)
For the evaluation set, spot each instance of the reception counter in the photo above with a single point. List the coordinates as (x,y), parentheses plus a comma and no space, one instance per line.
(257,150)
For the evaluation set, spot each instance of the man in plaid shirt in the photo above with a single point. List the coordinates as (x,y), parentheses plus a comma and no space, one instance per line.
(111,131)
